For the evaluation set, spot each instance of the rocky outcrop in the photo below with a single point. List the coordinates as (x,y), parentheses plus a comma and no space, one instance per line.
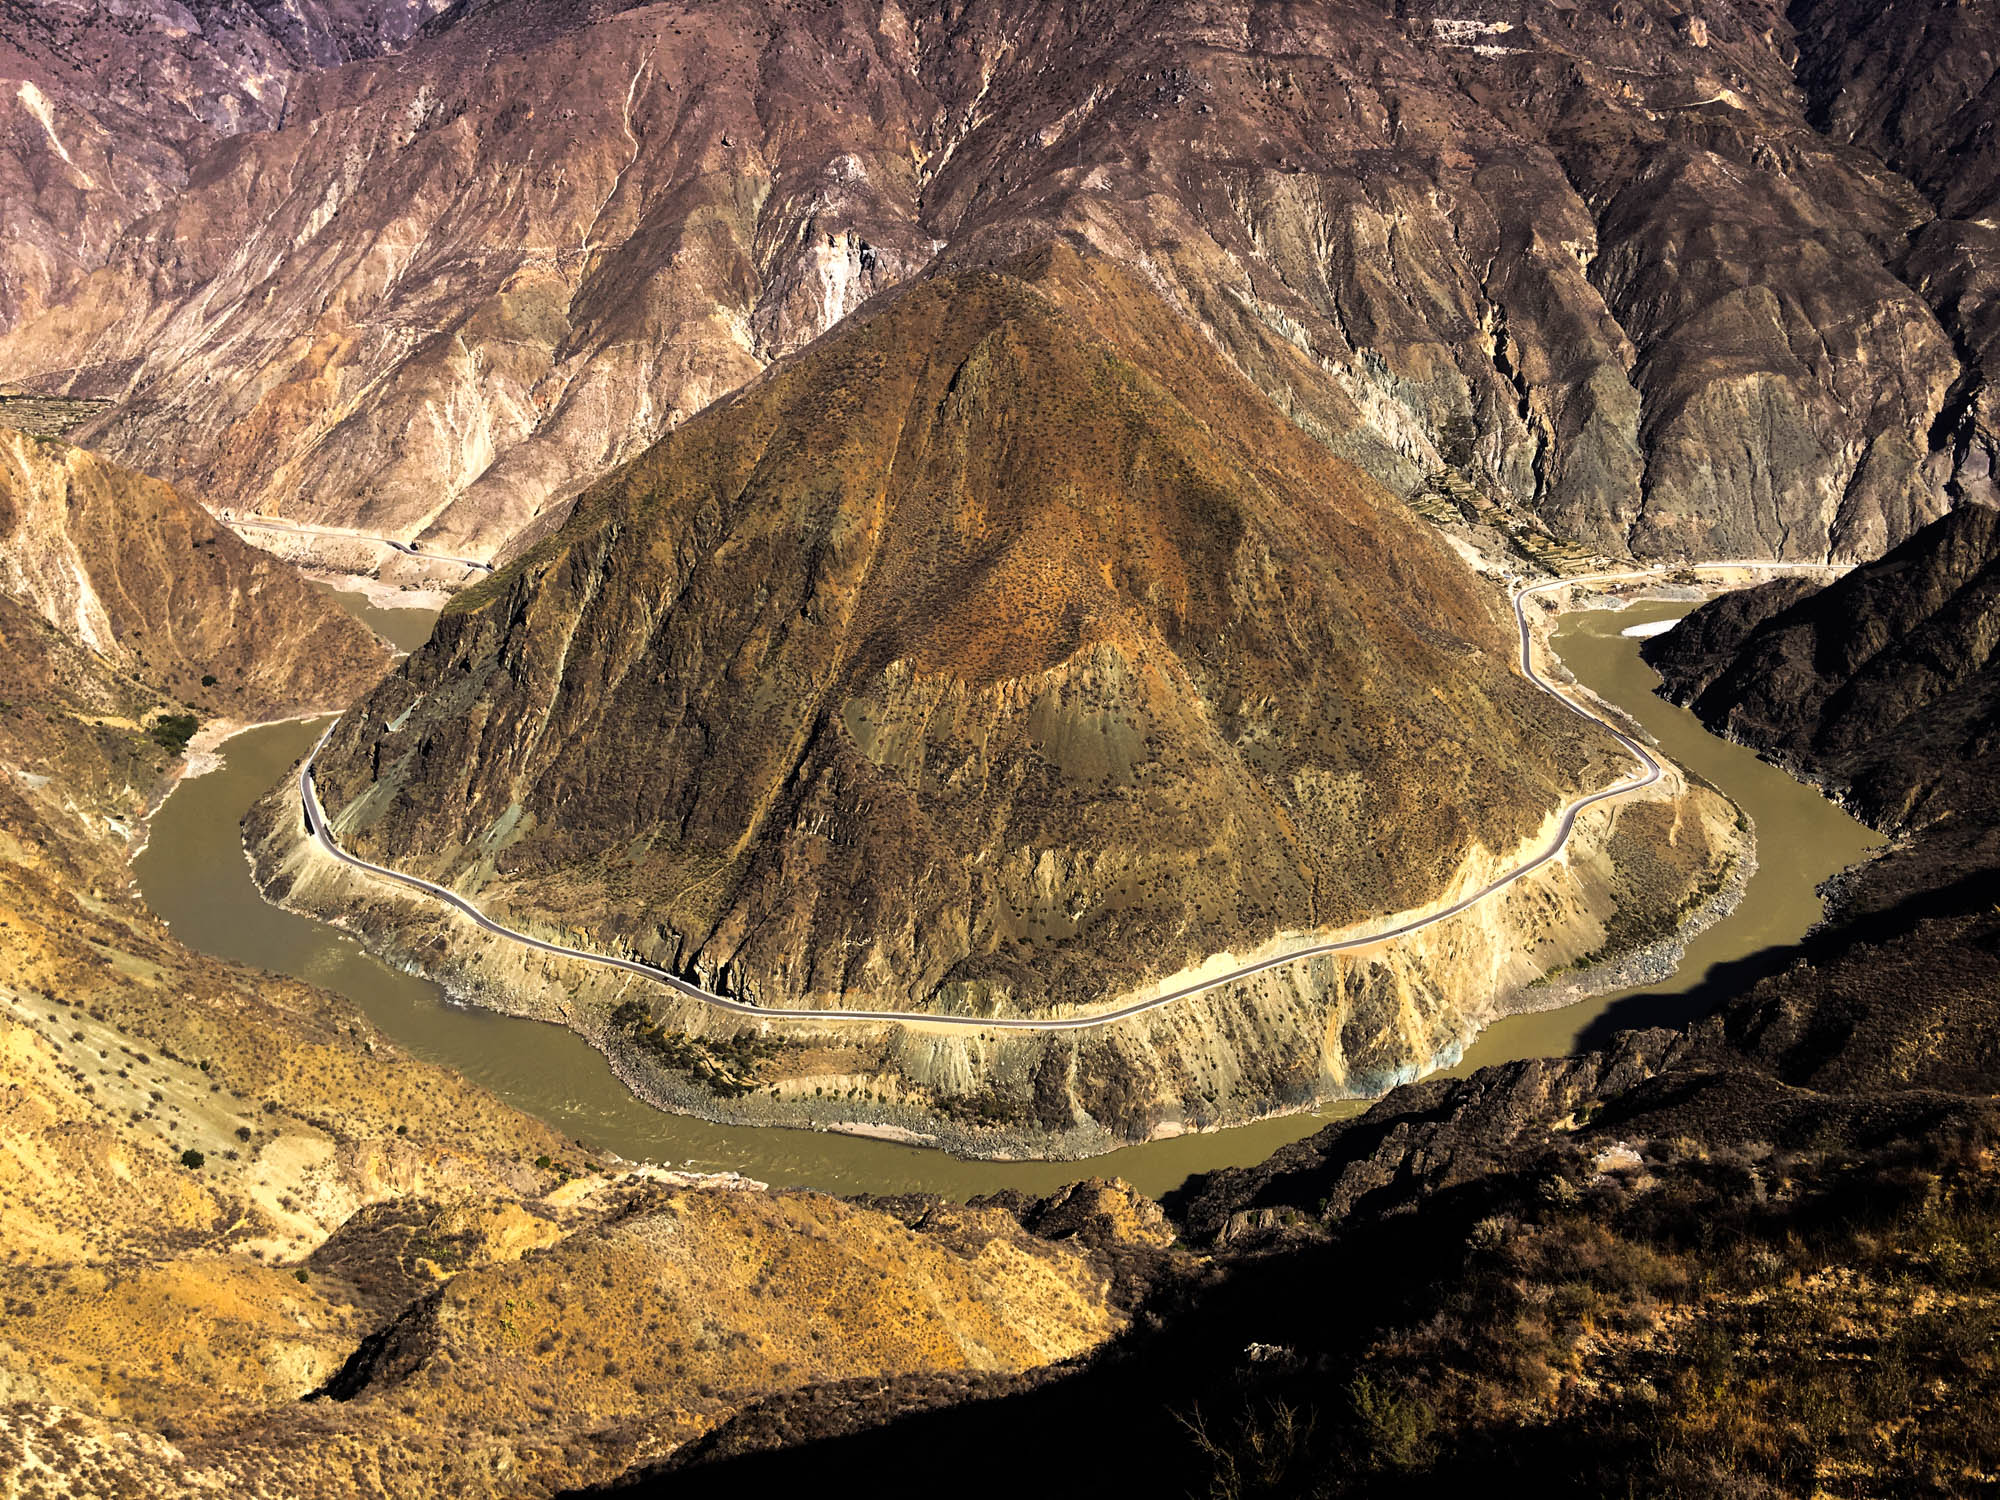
(1609,271)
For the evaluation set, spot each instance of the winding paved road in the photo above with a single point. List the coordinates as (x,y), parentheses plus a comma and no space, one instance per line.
(1650,771)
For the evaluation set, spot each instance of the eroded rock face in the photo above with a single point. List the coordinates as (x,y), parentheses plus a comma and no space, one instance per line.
(1605,267)
(952,661)
(1922,97)
(106,107)
(956,664)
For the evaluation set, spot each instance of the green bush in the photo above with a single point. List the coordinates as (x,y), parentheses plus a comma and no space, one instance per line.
(171,732)
(1395,1428)
(193,1159)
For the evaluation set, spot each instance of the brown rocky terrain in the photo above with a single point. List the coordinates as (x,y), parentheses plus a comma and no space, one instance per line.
(1649,277)
(972,662)
(109,107)
(132,571)
(1760,1256)
(1917,89)
(221,1191)
(1670,280)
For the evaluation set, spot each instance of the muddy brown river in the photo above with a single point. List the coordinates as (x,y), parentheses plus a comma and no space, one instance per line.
(194,874)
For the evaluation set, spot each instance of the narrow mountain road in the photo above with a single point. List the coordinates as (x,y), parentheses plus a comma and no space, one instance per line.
(334,533)
(1648,773)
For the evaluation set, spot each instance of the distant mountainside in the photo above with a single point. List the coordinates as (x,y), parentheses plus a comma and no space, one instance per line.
(107,108)
(141,577)
(1661,279)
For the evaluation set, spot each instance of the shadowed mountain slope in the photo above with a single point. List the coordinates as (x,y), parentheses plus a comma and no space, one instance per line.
(1885,684)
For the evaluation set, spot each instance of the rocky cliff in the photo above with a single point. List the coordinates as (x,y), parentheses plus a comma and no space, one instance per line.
(1885,685)
(107,109)
(1648,276)
(971,662)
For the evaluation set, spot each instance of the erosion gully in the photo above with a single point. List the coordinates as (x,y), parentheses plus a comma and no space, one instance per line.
(194,874)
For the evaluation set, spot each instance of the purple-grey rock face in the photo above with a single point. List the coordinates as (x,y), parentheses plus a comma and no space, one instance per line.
(1670,281)
(106,107)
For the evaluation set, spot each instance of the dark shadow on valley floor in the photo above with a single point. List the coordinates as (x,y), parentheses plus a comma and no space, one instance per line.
(1717,988)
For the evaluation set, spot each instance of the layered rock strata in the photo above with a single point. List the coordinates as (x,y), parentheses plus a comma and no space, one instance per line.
(1651,279)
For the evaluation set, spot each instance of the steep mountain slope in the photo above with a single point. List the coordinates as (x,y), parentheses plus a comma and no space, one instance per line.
(973,662)
(1885,685)
(1603,267)
(965,619)
(143,577)
(221,1190)
(106,107)
(1920,88)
